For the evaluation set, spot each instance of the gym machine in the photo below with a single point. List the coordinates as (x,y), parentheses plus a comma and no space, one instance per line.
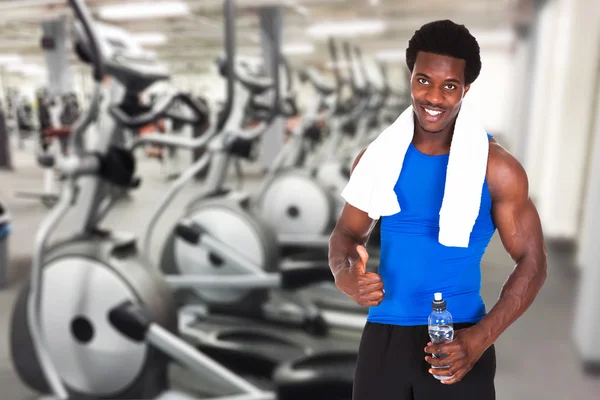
(223,219)
(221,240)
(368,125)
(307,200)
(168,157)
(353,124)
(293,201)
(342,126)
(333,161)
(58,109)
(56,116)
(297,207)
(24,119)
(5,231)
(5,148)
(113,332)
(394,101)
(303,211)
(308,134)
(19,119)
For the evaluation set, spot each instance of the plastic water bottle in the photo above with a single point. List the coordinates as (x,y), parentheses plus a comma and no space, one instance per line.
(441,327)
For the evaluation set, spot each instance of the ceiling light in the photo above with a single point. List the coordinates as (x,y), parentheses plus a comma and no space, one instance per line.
(113,38)
(300,9)
(26,69)
(297,48)
(500,37)
(33,70)
(348,28)
(150,38)
(10,59)
(144,10)
(338,65)
(390,55)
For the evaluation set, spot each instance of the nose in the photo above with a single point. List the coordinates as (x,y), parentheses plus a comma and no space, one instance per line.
(434,95)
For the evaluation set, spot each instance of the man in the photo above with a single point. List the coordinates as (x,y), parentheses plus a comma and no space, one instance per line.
(395,354)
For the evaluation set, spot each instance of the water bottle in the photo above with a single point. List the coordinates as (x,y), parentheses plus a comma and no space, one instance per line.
(441,328)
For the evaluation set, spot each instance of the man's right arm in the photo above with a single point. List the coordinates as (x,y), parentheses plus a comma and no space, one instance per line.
(352,229)
(348,267)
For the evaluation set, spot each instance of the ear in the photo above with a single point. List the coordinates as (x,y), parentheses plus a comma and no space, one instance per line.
(467,89)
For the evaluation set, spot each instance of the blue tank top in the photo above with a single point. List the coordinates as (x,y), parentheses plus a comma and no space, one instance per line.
(414,265)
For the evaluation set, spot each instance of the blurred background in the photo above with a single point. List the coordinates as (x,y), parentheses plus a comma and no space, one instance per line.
(538,94)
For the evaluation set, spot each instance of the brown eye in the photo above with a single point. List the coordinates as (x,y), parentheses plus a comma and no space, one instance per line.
(422,81)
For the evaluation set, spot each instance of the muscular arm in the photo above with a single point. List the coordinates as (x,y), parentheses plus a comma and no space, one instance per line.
(352,229)
(520,230)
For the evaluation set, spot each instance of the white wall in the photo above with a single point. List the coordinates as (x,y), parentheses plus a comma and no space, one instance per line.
(565,113)
(590,221)
(491,93)
(541,92)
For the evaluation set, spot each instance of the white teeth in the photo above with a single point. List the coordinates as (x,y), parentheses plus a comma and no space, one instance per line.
(434,113)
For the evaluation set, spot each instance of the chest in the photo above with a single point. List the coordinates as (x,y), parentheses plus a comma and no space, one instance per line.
(421,185)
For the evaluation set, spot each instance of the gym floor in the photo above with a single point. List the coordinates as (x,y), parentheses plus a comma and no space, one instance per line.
(536,358)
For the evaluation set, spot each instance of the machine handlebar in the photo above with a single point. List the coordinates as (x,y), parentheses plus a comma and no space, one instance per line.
(172,141)
(353,74)
(81,12)
(161,110)
(370,88)
(230,54)
(86,119)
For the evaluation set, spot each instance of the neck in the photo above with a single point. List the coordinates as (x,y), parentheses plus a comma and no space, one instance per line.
(433,143)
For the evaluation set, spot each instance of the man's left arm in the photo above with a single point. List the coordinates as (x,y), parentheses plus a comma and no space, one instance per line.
(520,230)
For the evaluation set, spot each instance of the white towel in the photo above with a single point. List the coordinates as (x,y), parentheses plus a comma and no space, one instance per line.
(371,185)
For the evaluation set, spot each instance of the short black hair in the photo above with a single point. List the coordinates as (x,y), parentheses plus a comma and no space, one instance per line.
(446,38)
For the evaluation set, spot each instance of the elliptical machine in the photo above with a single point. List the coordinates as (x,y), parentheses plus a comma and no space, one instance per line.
(220,239)
(95,320)
(52,144)
(290,200)
(224,232)
(330,162)
(249,233)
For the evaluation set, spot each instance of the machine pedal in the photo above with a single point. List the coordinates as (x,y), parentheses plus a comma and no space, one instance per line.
(189,233)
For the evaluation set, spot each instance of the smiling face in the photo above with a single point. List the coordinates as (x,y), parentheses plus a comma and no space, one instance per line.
(437,89)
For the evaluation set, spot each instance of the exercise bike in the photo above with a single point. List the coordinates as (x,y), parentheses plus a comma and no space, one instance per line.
(95,320)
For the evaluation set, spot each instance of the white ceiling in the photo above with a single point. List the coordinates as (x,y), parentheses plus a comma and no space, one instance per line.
(195,39)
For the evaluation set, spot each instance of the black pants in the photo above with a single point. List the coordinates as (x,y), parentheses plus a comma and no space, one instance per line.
(391,366)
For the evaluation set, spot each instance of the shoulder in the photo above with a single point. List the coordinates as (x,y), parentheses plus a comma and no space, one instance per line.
(357,159)
(505,175)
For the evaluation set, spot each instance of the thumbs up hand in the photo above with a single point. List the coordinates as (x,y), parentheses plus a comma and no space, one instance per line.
(365,288)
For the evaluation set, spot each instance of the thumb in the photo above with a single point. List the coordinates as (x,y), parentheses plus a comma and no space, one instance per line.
(364,257)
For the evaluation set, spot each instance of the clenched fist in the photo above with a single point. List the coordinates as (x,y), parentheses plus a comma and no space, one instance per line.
(365,288)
